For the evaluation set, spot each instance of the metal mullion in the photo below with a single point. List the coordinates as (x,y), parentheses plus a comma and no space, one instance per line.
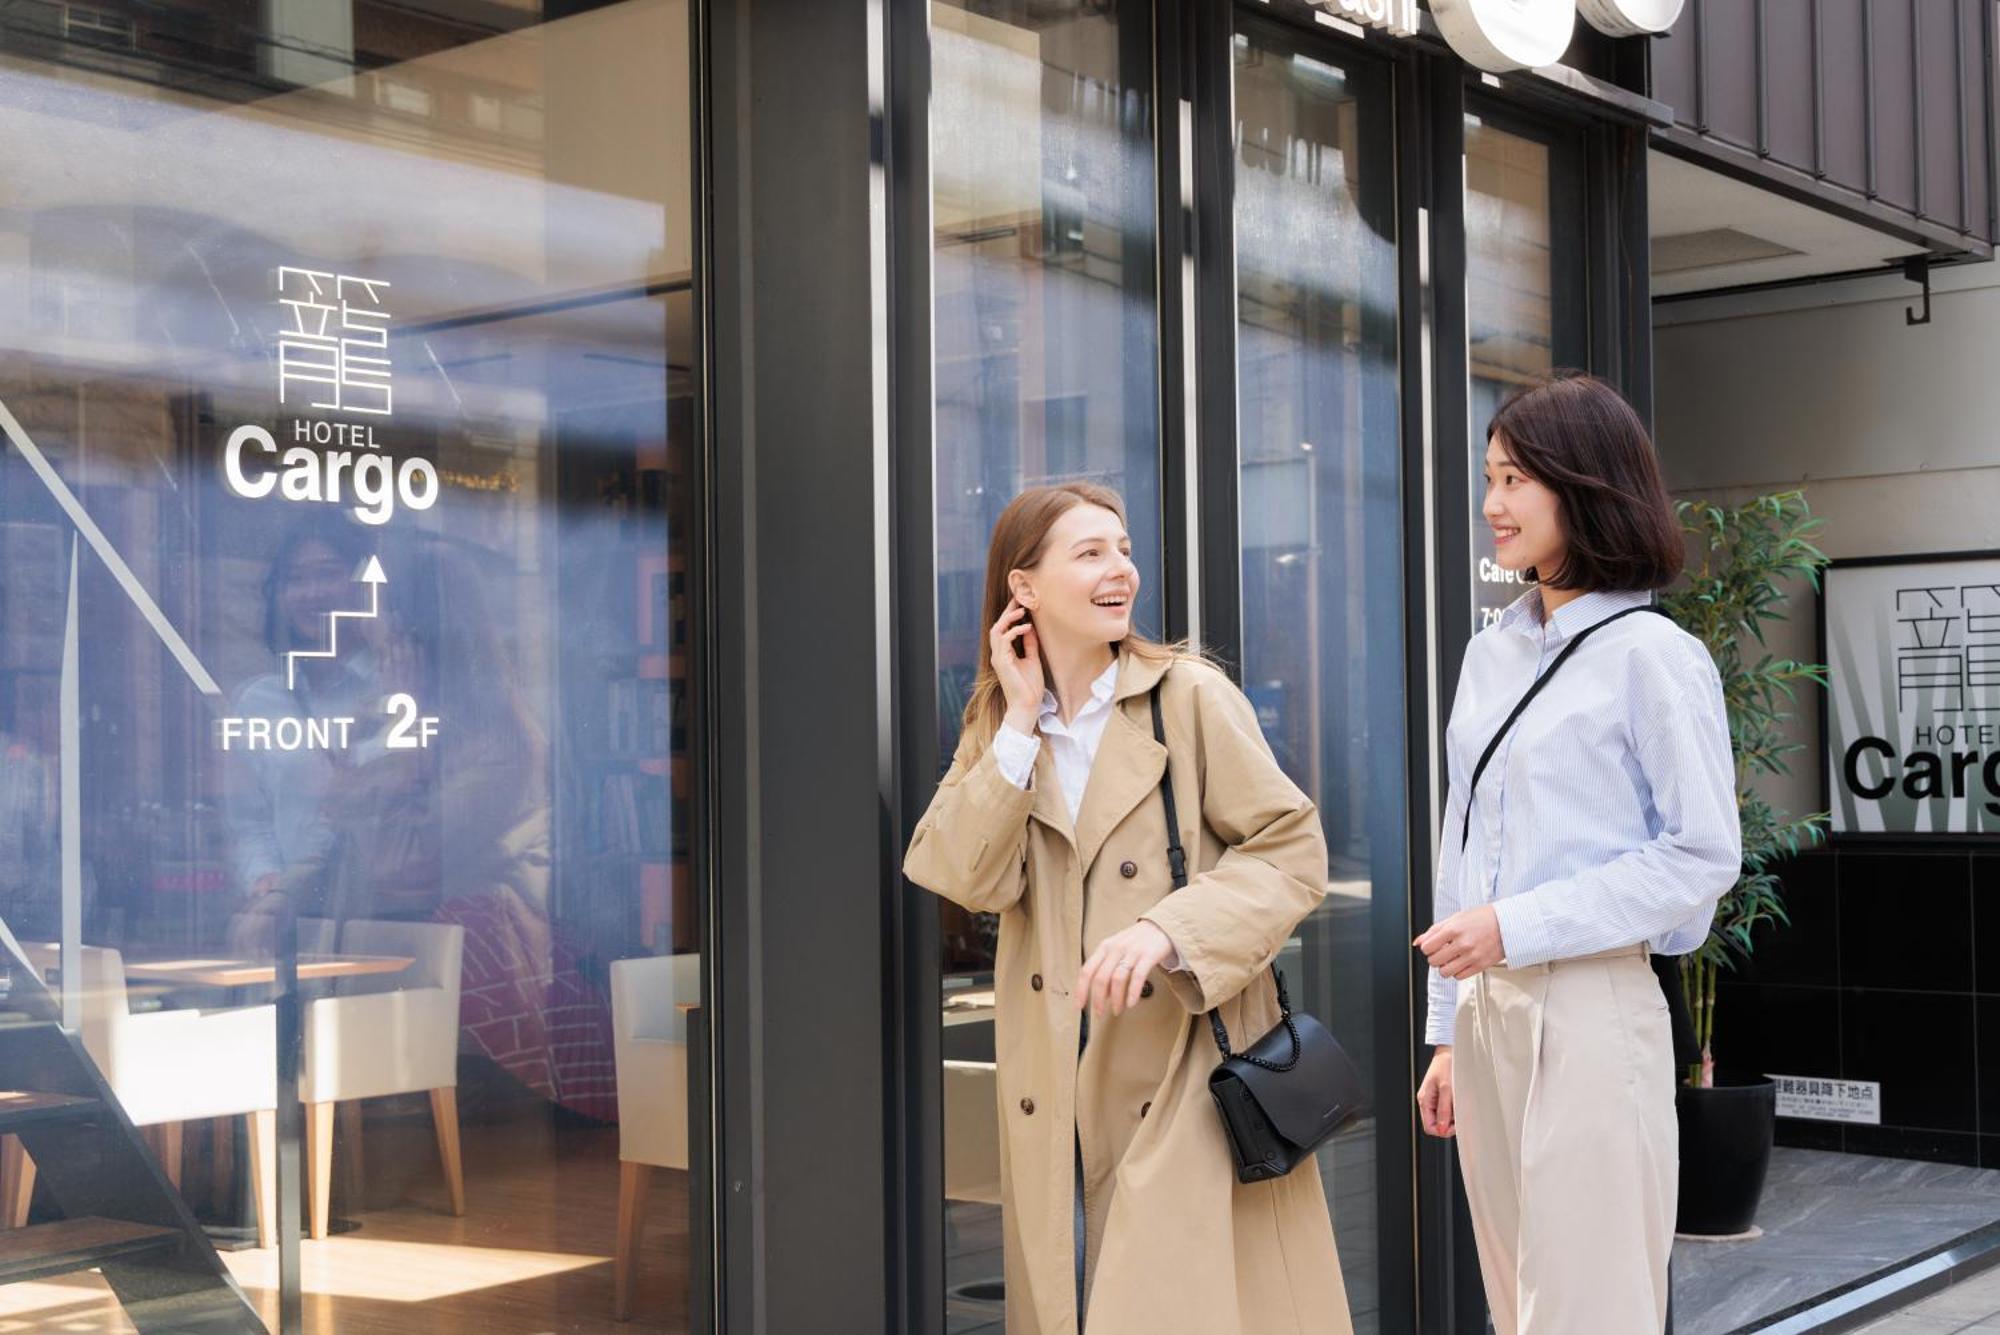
(1137,54)
(1819,167)
(1990,109)
(1174,129)
(1630,222)
(1428,1285)
(916,1118)
(1446,1252)
(1962,118)
(1600,227)
(1216,615)
(1818,91)
(705,1309)
(1761,43)
(1384,97)
(1700,8)
(1917,106)
(1868,98)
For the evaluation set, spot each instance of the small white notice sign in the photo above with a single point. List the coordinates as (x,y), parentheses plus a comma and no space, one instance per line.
(1821,1100)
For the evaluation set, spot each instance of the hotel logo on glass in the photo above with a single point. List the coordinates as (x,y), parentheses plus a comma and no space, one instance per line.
(334,349)
(1913,695)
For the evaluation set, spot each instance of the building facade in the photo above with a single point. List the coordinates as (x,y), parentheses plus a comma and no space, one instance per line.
(494,503)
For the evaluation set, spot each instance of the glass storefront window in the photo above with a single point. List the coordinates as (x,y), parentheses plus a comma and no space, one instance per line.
(1321,518)
(1524,283)
(349,488)
(1046,370)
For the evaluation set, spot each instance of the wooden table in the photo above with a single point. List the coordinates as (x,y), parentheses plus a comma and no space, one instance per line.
(969,1007)
(222,972)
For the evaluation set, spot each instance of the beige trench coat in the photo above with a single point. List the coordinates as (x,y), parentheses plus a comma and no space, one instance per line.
(1175,1244)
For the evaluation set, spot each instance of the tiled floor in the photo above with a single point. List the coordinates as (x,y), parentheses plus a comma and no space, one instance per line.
(1828,1220)
(531,1255)
(1971,1306)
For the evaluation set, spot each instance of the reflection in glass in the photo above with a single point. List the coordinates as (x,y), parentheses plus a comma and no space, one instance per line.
(398,681)
(1320,518)
(1046,370)
(1517,294)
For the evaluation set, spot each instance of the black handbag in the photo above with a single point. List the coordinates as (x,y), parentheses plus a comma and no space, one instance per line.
(1285,1094)
(1687,1051)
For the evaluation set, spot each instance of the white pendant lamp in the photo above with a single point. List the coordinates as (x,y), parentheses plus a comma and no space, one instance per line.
(1503,35)
(1630,18)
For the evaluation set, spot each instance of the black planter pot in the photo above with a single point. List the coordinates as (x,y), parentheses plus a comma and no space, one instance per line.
(1725,1152)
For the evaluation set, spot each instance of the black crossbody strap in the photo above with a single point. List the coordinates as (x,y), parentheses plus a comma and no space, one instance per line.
(1465,832)
(1177,863)
(1176,855)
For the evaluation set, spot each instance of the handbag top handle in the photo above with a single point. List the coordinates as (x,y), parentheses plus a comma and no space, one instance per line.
(1177,863)
(1465,832)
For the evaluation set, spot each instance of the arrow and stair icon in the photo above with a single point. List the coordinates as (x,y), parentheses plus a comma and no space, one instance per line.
(373,576)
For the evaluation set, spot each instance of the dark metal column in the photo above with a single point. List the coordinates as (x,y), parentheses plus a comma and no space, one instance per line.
(917,1120)
(1217,615)
(805,751)
(1449,1297)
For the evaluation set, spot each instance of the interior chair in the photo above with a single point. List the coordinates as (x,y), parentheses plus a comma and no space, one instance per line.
(381,1034)
(972,1132)
(649,1031)
(171,1067)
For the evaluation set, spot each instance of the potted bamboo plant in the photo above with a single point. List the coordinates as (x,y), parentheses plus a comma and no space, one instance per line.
(1745,557)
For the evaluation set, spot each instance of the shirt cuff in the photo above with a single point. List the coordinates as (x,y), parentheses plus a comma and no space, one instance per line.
(1014,752)
(1524,935)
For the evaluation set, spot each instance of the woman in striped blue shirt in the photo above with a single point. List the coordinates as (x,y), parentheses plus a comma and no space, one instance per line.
(1585,830)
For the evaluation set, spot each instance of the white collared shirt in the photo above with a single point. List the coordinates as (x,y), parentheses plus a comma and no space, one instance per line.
(1607,816)
(1072,745)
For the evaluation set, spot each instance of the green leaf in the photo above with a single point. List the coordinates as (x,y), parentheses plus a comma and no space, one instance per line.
(1755,554)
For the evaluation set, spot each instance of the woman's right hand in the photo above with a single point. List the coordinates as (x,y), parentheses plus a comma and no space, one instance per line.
(1020,676)
(1434,1100)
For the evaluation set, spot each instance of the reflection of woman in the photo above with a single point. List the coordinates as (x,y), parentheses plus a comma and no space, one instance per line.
(29,903)
(455,829)
(276,798)
(1120,1197)
(1604,827)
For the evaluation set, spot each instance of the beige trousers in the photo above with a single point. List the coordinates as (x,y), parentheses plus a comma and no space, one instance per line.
(1563,1090)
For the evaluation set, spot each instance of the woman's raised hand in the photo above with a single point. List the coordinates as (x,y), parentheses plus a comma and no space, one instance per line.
(1020,675)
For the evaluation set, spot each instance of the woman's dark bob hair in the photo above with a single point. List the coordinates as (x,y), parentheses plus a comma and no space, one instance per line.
(1578,437)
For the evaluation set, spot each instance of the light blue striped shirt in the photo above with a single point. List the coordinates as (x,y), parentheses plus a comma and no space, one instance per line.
(1607,816)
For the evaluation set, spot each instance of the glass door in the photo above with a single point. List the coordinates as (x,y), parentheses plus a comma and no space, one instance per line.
(351,951)
(1046,370)
(1526,274)
(1319,501)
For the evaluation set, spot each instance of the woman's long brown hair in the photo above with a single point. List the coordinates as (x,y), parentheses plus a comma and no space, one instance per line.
(1020,536)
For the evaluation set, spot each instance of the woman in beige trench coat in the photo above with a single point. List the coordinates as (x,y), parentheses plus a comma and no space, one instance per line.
(1104,970)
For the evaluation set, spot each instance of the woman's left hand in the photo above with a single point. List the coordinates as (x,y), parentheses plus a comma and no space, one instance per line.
(1115,973)
(1465,944)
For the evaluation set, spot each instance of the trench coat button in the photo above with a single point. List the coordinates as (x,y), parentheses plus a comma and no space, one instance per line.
(1146,991)
(1145,1107)
(1036,982)
(1128,869)
(1028,1106)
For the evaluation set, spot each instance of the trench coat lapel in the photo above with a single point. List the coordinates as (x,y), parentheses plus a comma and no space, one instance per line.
(1126,772)
(1049,807)
(1129,762)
